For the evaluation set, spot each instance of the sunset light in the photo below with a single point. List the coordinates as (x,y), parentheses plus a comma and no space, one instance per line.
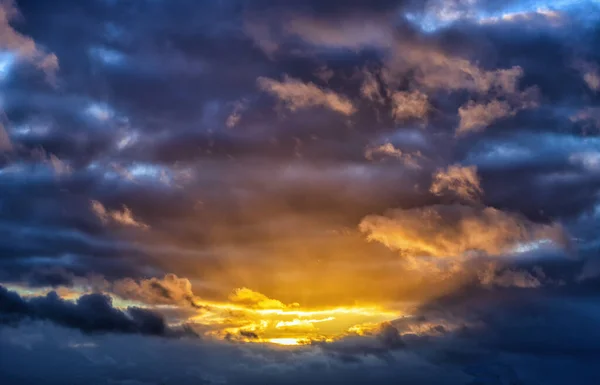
(299,192)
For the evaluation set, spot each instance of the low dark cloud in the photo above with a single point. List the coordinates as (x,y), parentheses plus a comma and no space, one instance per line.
(91,313)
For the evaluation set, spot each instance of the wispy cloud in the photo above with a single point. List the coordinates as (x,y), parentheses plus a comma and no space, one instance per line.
(296,95)
(123,217)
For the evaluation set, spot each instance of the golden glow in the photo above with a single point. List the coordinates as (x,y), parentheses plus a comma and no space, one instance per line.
(249,316)
(285,341)
(299,322)
(258,318)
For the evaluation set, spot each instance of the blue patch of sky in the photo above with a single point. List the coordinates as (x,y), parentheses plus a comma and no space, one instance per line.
(440,17)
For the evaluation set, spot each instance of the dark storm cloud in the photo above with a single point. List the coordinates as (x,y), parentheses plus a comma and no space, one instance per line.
(462,339)
(113,360)
(517,321)
(352,348)
(90,313)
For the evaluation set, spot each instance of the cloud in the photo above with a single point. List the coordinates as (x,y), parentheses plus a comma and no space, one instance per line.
(476,117)
(91,313)
(455,230)
(380,342)
(255,300)
(298,95)
(350,32)
(590,73)
(140,122)
(592,79)
(370,88)
(58,167)
(461,181)
(408,105)
(589,116)
(5,142)
(537,19)
(24,47)
(236,114)
(154,291)
(123,218)
(388,150)
(437,70)
(493,276)
(354,31)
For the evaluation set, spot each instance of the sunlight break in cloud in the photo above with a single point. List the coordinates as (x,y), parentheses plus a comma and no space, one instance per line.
(298,95)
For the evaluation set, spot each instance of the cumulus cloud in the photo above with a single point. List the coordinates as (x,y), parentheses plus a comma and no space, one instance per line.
(296,94)
(405,105)
(409,105)
(454,230)
(461,181)
(154,291)
(23,46)
(437,70)
(388,150)
(255,300)
(123,218)
(476,117)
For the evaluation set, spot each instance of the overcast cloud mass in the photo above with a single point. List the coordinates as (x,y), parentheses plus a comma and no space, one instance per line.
(299,192)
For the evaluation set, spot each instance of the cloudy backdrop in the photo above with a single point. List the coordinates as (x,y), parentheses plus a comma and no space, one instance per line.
(299,192)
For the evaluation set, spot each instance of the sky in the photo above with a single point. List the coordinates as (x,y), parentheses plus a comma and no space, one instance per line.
(299,192)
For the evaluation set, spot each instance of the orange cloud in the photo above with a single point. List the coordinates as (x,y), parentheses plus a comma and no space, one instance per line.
(455,230)
(388,150)
(155,291)
(409,105)
(298,95)
(462,181)
(476,117)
